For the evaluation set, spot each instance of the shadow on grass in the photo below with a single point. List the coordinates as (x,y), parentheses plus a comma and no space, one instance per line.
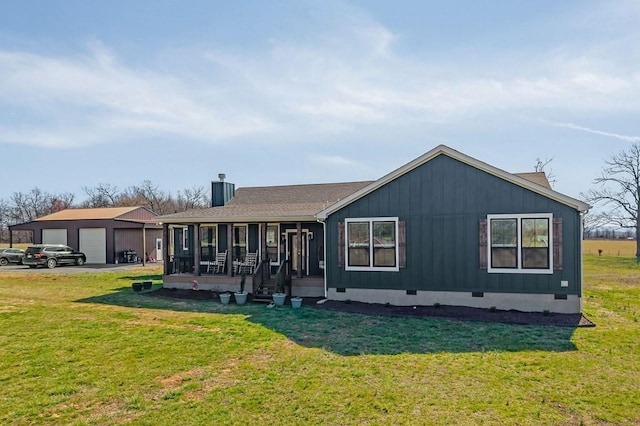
(147,277)
(361,334)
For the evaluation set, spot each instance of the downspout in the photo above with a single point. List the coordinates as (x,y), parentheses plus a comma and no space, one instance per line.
(324,248)
(144,244)
(581,257)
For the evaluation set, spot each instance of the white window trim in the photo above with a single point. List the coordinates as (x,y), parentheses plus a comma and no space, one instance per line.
(520,269)
(185,234)
(370,268)
(273,262)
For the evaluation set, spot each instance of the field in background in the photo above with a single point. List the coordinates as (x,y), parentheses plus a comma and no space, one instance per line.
(609,247)
(20,246)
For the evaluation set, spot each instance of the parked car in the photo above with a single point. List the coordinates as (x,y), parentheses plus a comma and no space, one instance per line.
(10,255)
(52,255)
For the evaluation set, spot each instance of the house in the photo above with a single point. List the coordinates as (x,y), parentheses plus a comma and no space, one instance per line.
(105,235)
(445,229)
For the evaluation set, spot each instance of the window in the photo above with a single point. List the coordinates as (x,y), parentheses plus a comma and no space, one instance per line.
(273,239)
(207,242)
(239,242)
(371,244)
(185,239)
(520,243)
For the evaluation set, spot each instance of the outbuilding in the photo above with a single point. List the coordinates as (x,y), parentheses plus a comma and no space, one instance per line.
(106,235)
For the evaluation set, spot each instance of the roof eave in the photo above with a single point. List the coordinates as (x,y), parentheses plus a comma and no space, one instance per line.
(239,219)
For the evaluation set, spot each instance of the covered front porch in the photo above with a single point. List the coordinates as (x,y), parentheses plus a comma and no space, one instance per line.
(216,255)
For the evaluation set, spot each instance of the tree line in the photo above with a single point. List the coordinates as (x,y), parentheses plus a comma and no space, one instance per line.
(22,207)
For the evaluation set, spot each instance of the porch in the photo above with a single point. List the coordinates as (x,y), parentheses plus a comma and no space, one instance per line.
(216,255)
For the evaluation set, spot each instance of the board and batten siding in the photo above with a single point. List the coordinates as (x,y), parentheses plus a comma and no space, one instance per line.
(442,203)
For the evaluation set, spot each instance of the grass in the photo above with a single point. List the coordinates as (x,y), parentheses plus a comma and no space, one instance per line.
(86,349)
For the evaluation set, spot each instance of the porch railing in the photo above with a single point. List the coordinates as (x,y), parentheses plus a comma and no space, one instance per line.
(261,274)
(284,273)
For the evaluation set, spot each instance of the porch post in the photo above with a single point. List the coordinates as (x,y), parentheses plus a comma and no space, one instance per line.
(10,237)
(229,249)
(266,270)
(263,241)
(299,237)
(165,249)
(196,248)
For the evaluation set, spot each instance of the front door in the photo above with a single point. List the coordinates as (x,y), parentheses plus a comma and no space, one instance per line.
(295,252)
(158,249)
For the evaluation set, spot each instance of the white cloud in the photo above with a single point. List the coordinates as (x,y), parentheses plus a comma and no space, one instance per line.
(345,78)
(96,95)
(333,160)
(573,126)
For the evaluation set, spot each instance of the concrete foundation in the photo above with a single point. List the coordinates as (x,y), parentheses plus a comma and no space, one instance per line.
(503,301)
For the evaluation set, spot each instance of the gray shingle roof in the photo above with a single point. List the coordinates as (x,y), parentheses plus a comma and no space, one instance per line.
(536,177)
(287,202)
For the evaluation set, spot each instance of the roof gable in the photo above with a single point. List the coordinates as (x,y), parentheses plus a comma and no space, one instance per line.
(519,180)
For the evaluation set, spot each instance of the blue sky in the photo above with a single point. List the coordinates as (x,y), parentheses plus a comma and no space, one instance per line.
(285,92)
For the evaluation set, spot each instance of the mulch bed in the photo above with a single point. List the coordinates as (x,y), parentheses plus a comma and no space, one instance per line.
(453,312)
(460,313)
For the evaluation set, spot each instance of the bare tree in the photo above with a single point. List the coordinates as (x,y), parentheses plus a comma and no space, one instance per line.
(619,191)
(542,166)
(61,202)
(148,195)
(103,195)
(29,206)
(4,220)
(594,221)
(196,197)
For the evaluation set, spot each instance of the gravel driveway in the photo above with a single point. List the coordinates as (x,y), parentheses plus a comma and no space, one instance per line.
(72,269)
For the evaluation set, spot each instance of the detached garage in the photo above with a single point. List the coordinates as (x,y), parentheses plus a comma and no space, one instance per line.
(104,235)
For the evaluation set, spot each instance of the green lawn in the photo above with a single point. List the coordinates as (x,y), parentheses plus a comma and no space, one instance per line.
(85,349)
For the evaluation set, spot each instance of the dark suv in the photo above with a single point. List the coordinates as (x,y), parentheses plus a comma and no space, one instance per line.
(51,255)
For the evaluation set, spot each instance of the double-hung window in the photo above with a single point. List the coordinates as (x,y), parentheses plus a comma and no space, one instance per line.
(372,244)
(239,242)
(520,243)
(207,242)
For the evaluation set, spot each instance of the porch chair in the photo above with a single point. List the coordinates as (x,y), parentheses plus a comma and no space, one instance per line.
(221,260)
(249,263)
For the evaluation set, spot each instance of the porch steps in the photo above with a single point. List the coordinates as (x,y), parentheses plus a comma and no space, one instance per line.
(264,293)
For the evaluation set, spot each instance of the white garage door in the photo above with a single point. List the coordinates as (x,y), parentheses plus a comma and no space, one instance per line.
(93,243)
(54,236)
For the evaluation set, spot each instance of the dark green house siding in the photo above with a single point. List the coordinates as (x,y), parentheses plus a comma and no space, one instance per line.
(442,202)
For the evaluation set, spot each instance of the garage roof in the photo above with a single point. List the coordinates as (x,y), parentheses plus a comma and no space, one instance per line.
(96,213)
